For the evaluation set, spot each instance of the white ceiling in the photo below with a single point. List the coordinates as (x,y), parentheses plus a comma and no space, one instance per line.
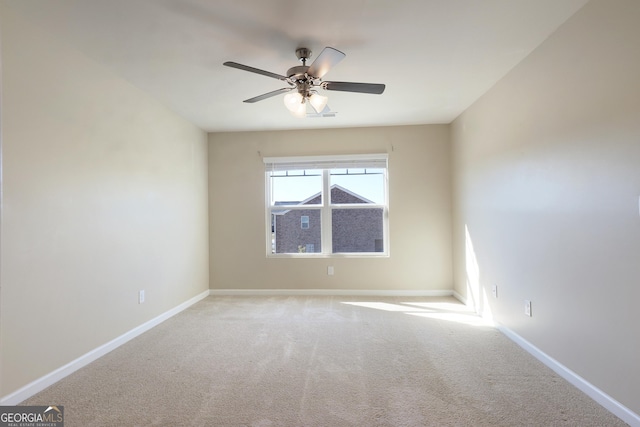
(436,56)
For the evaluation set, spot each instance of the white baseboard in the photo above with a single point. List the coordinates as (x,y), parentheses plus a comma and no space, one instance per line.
(615,407)
(55,376)
(460,298)
(330,292)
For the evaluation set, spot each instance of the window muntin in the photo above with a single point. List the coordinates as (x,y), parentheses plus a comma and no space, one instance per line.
(344,199)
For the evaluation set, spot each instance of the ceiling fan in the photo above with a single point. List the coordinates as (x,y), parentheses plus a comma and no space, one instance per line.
(304,81)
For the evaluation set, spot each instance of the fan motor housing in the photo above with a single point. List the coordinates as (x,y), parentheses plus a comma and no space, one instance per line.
(298,72)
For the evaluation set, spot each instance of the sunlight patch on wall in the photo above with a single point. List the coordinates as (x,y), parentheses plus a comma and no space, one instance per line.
(486,313)
(472,271)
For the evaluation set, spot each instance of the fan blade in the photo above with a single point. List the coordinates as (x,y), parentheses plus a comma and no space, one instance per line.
(254,70)
(327,59)
(373,88)
(268,95)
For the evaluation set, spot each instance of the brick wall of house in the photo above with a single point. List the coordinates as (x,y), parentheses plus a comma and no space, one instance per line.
(357,230)
(291,238)
(354,230)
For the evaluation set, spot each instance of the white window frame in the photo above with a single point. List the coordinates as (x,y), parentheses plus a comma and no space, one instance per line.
(326,163)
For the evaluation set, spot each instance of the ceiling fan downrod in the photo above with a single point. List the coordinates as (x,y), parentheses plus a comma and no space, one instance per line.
(298,76)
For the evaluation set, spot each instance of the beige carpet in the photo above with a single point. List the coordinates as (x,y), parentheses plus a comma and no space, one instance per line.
(321,361)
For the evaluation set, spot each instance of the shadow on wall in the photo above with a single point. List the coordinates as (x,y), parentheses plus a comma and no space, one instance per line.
(476,294)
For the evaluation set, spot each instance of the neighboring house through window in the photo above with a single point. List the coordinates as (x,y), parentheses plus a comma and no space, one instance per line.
(327,205)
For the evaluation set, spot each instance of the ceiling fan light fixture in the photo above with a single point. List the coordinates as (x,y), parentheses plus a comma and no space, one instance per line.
(318,102)
(292,101)
(296,104)
(300,111)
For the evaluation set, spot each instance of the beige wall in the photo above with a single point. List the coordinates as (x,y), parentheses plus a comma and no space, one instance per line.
(419,210)
(547,180)
(104,193)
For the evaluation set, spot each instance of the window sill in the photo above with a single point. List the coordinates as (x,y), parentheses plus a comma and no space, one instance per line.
(325,256)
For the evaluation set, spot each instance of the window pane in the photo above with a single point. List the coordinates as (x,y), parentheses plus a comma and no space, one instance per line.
(349,193)
(289,237)
(357,186)
(357,230)
(296,187)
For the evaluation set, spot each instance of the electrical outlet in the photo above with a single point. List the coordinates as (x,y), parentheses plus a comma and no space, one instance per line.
(527,307)
(494,291)
(330,270)
(140,297)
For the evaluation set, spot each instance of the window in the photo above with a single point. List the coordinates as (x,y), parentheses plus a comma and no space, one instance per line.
(327,205)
